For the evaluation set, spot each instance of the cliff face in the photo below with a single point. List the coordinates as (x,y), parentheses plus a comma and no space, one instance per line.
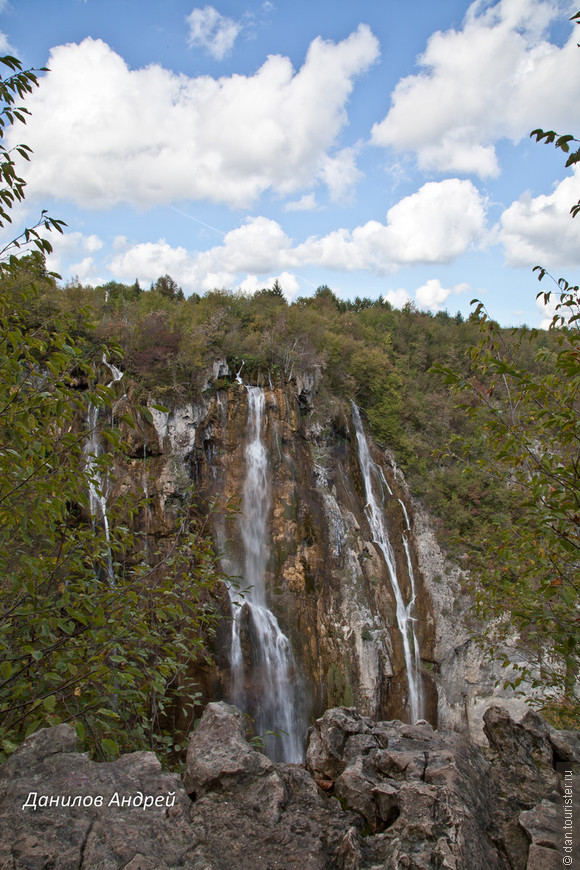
(328,580)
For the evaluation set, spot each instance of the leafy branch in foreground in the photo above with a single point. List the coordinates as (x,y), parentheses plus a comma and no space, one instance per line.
(94,629)
(550,137)
(528,417)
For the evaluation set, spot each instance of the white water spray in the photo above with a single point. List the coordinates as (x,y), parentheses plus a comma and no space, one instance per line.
(273,672)
(375,516)
(97,485)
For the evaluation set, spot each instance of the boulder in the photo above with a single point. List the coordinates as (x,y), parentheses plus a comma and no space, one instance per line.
(392,796)
(59,809)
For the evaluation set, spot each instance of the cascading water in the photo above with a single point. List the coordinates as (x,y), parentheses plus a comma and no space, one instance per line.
(276,707)
(97,486)
(375,516)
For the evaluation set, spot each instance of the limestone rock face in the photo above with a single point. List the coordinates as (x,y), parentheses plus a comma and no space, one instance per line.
(326,581)
(373,796)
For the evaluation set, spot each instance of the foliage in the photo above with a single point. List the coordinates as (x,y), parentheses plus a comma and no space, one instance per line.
(90,630)
(529,420)
(364,350)
(94,629)
(167,287)
(13,87)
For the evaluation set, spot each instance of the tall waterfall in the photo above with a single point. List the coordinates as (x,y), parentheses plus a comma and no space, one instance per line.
(272,698)
(375,515)
(97,485)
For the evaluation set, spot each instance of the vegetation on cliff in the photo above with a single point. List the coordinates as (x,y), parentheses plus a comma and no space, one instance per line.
(394,365)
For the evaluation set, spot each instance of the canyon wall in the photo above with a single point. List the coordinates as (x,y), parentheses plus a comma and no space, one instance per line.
(327,579)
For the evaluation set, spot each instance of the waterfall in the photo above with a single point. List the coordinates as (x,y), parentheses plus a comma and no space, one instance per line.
(375,515)
(272,684)
(97,486)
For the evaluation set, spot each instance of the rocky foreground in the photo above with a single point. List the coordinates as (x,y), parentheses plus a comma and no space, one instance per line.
(372,795)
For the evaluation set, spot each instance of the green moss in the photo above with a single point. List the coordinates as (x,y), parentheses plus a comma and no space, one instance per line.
(339,688)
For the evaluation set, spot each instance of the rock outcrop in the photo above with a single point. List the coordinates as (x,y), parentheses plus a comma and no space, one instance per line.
(372,795)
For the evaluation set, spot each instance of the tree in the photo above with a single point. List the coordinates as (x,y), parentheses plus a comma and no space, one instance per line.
(167,287)
(528,418)
(94,630)
(528,415)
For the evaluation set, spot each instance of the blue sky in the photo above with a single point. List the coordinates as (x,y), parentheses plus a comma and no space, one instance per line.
(381,148)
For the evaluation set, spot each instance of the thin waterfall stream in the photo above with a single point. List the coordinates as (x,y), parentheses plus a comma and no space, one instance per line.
(270,692)
(374,510)
(98,486)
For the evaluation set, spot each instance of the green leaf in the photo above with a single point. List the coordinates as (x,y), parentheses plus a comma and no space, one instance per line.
(49,703)
(109,747)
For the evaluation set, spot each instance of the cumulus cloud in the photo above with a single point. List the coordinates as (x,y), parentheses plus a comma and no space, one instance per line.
(67,247)
(213,32)
(432,296)
(492,79)
(435,225)
(340,174)
(547,310)
(259,247)
(148,260)
(541,230)
(5,47)
(397,298)
(104,134)
(288,282)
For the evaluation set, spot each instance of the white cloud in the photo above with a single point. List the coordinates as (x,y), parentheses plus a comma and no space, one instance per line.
(85,272)
(288,282)
(104,134)
(259,247)
(547,309)
(210,30)
(497,77)
(340,174)
(67,247)
(432,296)
(397,298)
(540,230)
(5,47)
(149,260)
(435,225)
(305,203)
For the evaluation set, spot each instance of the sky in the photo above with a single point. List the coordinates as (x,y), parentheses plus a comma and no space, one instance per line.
(381,148)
